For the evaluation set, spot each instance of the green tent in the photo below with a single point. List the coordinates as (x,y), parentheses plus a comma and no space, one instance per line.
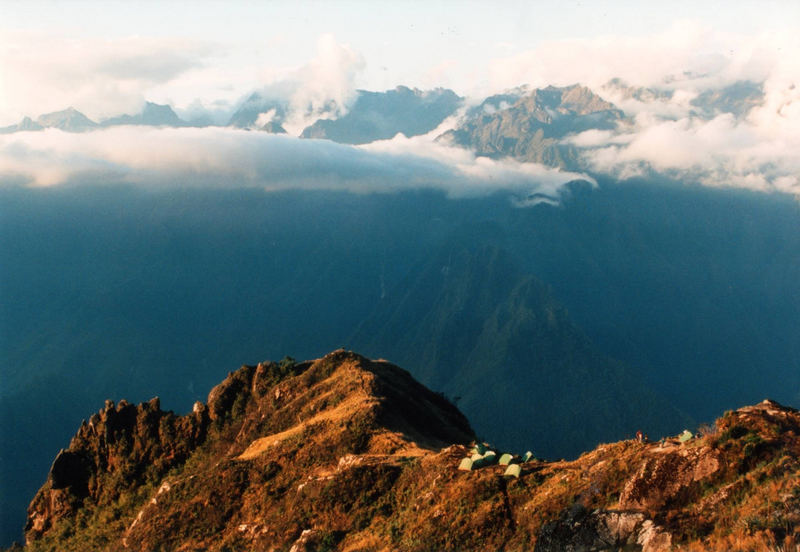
(490,457)
(685,436)
(513,470)
(505,459)
(477,461)
(480,448)
(527,456)
(466,464)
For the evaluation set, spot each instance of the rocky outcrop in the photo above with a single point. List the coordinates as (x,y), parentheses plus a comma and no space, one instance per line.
(118,449)
(579,530)
(662,477)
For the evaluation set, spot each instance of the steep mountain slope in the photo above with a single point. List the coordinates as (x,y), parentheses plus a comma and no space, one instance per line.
(344,453)
(381,115)
(531,128)
(647,269)
(468,321)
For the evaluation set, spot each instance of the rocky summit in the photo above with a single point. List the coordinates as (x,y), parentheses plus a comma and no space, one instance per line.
(347,453)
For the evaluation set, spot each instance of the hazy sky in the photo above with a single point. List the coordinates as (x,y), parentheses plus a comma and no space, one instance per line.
(105,57)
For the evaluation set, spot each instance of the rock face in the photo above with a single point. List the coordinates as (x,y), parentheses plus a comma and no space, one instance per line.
(532,127)
(579,530)
(345,453)
(660,479)
(120,448)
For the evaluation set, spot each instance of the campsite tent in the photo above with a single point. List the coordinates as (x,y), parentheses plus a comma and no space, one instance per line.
(527,456)
(466,464)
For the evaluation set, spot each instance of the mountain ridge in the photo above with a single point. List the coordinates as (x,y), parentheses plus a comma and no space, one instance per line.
(344,453)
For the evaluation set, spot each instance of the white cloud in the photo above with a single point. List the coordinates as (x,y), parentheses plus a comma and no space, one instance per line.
(478,175)
(221,157)
(324,88)
(687,55)
(46,72)
(664,131)
(43,72)
(758,152)
(266,118)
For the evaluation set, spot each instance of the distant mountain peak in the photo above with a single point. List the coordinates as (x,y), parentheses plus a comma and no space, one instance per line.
(530,126)
(382,115)
(152,114)
(70,120)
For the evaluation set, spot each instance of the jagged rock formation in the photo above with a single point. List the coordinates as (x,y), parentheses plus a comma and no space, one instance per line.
(350,454)
(533,126)
(121,447)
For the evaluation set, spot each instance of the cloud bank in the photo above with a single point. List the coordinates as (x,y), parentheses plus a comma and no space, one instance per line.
(224,157)
(664,131)
(103,77)
(720,152)
(687,55)
(100,77)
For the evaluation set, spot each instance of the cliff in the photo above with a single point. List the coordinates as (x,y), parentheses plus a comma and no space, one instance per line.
(345,453)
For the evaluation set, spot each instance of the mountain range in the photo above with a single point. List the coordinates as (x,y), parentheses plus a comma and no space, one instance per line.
(524,124)
(373,116)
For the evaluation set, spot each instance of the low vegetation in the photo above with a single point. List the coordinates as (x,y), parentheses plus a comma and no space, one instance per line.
(345,453)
